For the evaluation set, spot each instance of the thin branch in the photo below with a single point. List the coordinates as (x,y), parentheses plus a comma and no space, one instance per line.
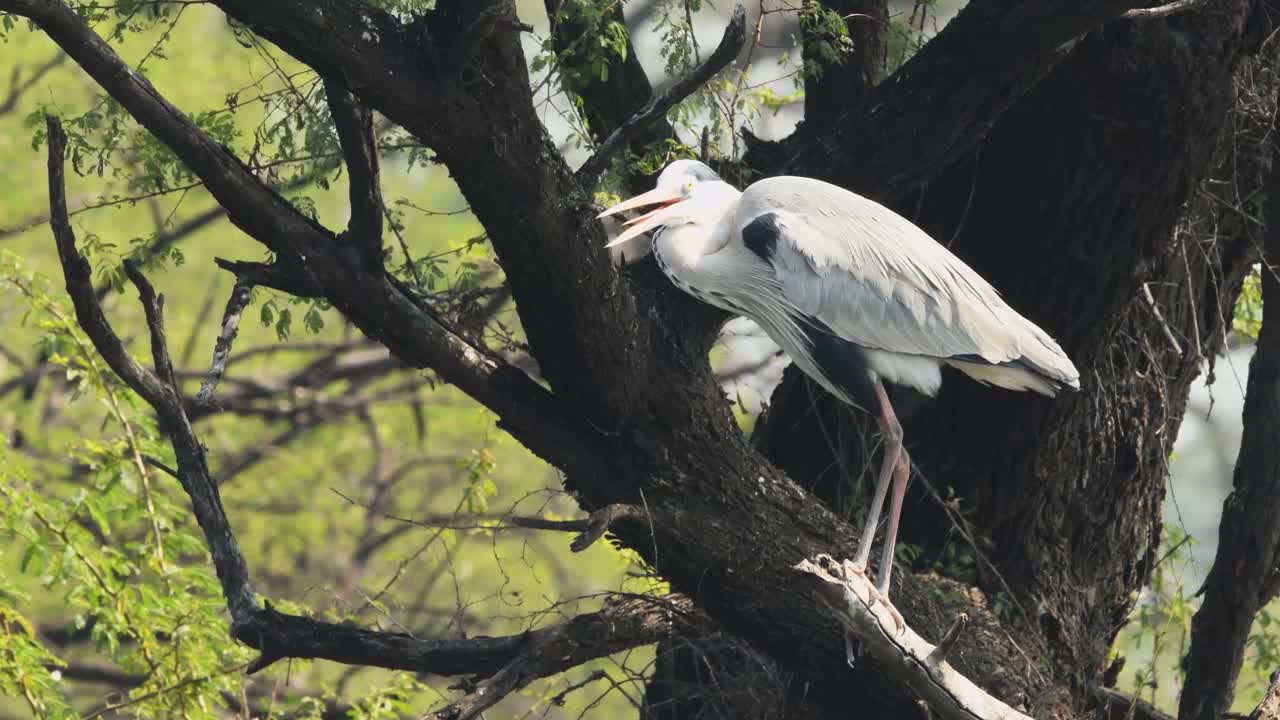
(735,34)
(240,294)
(544,652)
(900,652)
(1162,11)
(193,470)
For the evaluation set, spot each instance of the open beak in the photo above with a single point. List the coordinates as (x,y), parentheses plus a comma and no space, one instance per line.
(664,199)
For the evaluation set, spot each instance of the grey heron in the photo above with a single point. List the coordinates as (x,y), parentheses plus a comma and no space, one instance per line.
(853,292)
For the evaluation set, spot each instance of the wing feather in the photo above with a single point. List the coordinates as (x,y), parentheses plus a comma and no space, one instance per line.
(878,281)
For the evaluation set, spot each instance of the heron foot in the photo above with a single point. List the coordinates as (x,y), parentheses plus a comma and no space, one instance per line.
(877,596)
(883,598)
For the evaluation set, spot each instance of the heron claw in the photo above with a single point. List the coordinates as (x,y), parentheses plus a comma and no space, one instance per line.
(883,598)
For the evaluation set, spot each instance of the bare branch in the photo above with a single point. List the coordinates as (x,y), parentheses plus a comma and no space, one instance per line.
(240,294)
(900,651)
(18,86)
(193,470)
(1161,11)
(735,34)
(606,103)
(545,652)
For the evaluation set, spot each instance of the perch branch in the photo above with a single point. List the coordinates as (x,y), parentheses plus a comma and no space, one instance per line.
(735,34)
(902,654)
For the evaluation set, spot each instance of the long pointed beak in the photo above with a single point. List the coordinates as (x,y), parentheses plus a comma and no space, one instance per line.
(653,197)
(664,199)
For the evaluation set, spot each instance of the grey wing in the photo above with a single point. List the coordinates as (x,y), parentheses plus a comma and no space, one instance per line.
(877,280)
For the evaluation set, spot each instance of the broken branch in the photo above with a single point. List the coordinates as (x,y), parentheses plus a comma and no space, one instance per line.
(902,653)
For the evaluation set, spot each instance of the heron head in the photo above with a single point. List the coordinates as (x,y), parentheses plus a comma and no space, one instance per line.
(688,192)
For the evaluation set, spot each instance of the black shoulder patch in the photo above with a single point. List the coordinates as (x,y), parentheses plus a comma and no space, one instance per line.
(843,363)
(761,236)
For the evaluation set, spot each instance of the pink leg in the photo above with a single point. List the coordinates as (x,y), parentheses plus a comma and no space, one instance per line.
(891,431)
(901,477)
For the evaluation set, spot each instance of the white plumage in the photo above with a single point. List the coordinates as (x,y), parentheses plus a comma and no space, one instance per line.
(851,291)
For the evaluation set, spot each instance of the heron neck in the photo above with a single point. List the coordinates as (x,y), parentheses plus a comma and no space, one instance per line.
(684,247)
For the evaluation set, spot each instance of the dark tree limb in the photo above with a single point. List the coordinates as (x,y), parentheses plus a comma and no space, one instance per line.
(158,390)
(735,34)
(1240,581)
(354,123)
(1114,705)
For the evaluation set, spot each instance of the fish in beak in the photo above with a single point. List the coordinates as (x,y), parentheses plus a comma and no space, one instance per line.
(664,199)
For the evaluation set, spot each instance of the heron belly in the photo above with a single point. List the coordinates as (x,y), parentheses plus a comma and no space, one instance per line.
(921,372)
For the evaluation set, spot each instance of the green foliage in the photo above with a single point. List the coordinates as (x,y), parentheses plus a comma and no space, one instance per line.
(830,44)
(1247,321)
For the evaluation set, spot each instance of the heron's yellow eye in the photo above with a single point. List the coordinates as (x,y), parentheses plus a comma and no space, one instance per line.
(688,187)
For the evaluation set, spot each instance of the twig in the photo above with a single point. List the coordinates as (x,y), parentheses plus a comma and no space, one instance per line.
(1155,310)
(948,640)
(735,34)
(1161,11)
(236,304)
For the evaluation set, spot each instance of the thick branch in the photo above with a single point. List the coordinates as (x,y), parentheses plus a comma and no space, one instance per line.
(619,626)
(735,34)
(1239,583)
(354,123)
